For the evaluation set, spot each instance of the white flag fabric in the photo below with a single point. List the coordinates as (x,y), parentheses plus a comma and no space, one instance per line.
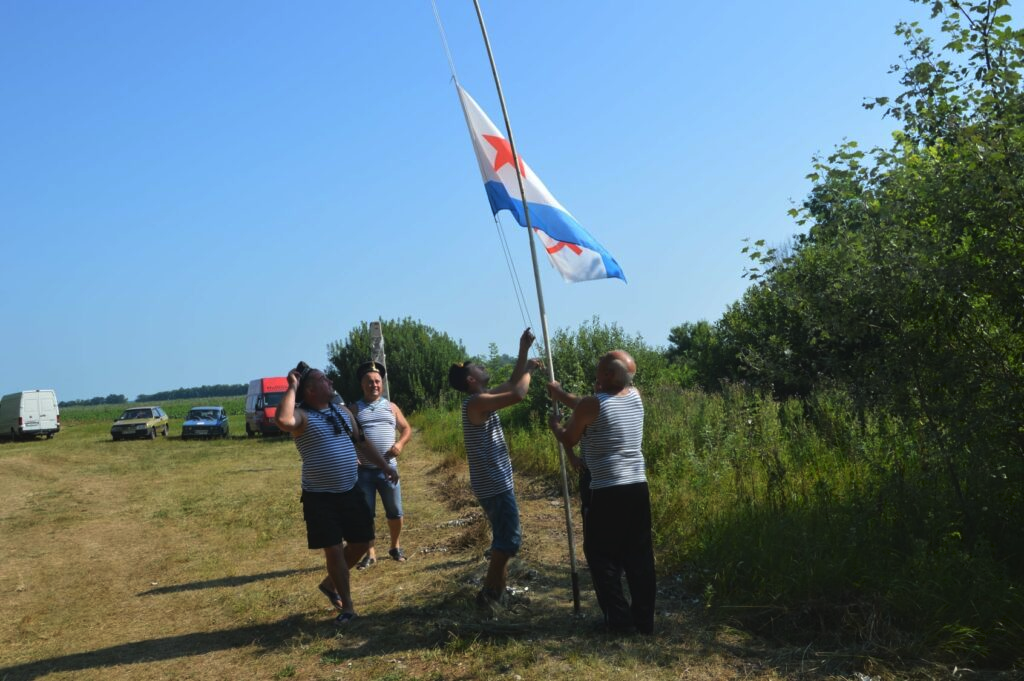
(571,249)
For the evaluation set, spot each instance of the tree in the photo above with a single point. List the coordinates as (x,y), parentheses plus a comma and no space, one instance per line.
(418,358)
(907,286)
(703,355)
(575,354)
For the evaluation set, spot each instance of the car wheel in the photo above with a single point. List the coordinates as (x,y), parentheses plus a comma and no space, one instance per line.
(114,438)
(248,431)
(165,431)
(152,433)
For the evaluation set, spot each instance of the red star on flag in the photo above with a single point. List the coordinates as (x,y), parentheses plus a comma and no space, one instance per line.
(504,154)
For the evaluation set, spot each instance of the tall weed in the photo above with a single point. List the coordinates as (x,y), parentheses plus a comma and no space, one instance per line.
(803,518)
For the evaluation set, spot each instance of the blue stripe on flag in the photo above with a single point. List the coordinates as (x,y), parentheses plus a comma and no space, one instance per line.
(555,223)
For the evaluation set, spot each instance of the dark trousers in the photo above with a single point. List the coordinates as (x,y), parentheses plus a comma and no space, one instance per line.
(584,497)
(617,541)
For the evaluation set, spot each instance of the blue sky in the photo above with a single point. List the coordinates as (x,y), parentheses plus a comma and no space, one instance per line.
(196,193)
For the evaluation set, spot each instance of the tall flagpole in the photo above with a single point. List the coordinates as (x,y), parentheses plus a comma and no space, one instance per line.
(540,303)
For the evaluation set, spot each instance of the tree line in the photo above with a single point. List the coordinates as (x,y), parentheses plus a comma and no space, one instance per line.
(92,401)
(219,390)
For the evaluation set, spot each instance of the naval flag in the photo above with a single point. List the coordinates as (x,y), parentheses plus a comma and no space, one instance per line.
(572,250)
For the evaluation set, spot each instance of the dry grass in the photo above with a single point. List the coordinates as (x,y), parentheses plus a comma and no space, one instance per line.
(170,559)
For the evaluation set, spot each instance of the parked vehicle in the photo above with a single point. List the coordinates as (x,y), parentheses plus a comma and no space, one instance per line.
(140,422)
(29,413)
(261,405)
(205,422)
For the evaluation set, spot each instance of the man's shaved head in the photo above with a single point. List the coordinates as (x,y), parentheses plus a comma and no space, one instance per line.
(615,370)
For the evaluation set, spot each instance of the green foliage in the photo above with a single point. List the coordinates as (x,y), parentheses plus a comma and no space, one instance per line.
(897,318)
(787,516)
(418,358)
(575,354)
(441,430)
(819,516)
(906,289)
(702,355)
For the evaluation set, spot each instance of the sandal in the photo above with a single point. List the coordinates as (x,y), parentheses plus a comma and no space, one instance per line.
(397,554)
(366,562)
(333,597)
(344,618)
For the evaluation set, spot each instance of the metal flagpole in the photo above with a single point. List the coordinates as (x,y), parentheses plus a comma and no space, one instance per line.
(540,303)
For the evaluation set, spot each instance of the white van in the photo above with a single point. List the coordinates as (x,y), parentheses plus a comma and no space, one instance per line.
(29,413)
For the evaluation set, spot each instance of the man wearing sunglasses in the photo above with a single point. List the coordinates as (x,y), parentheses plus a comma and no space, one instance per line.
(337,517)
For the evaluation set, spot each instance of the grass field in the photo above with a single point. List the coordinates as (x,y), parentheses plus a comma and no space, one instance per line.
(187,560)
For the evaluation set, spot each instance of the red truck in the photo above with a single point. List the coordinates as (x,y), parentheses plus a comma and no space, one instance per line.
(261,405)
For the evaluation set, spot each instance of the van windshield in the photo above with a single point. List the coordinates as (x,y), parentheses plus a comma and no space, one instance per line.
(272,399)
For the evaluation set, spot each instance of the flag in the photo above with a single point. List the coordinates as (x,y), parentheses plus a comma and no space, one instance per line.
(572,250)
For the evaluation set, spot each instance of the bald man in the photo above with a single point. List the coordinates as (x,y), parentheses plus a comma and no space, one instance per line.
(617,528)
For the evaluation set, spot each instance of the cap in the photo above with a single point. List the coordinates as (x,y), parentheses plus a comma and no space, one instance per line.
(367,367)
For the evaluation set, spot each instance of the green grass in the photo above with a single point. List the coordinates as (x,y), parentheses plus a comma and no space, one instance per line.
(170,559)
(806,519)
(188,560)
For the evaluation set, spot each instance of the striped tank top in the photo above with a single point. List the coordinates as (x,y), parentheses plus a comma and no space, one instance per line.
(613,442)
(328,460)
(378,424)
(490,468)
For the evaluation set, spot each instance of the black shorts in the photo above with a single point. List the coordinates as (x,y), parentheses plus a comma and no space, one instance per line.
(332,517)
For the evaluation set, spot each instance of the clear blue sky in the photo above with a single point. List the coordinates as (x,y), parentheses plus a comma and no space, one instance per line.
(196,193)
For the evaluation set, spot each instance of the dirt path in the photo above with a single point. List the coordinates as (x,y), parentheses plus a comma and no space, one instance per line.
(446,537)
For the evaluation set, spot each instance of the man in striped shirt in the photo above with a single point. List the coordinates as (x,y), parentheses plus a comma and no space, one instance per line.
(387,430)
(617,530)
(490,467)
(337,517)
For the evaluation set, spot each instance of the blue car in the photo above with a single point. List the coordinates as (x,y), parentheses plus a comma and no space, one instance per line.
(205,422)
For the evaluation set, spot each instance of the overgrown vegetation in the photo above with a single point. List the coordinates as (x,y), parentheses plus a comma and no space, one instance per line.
(840,456)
